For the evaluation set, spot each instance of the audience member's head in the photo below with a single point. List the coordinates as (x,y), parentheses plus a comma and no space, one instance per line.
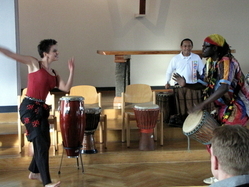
(230,151)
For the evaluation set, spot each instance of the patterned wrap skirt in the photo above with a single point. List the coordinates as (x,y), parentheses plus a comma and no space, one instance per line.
(34,115)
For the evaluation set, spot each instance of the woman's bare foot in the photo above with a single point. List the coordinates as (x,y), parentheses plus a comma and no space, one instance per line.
(53,184)
(35,176)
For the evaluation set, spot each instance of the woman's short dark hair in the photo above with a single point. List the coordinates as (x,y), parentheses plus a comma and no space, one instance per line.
(187,39)
(45,46)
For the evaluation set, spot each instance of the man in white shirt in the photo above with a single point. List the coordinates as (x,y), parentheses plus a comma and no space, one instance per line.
(188,65)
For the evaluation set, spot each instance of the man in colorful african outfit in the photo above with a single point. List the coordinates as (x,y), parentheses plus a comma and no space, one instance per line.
(223,83)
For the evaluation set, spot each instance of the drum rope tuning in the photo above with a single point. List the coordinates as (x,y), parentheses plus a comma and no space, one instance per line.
(92,121)
(199,126)
(146,117)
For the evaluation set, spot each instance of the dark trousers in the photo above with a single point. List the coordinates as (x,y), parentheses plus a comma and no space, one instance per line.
(35,117)
(40,161)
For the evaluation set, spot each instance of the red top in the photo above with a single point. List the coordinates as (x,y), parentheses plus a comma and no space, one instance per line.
(40,83)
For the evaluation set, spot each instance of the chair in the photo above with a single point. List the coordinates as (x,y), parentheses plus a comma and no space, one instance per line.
(134,94)
(92,98)
(19,123)
(52,119)
(50,100)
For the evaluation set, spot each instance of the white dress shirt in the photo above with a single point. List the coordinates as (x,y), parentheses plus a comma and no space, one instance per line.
(186,66)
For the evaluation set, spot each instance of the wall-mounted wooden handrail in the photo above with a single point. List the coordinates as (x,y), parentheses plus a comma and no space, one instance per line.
(148,52)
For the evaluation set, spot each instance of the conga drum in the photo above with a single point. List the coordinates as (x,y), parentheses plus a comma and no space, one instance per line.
(72,123)
(146,117)
(199,126)
(92,121)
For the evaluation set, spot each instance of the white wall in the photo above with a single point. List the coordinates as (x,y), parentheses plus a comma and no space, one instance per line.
(83,26)
(8,72)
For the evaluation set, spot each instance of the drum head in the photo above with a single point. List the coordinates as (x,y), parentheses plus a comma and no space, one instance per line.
(164,94)
(144,106)
(93,110)
(192,121)
(72,98)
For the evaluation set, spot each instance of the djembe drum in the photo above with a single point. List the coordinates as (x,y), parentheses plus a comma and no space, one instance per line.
(185,99)
(199,126)
(92,121)
(146,117)
(72,123)
(165,100)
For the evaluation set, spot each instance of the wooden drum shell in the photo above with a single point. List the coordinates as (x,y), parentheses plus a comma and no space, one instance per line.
(199,126)
(92,121)
(146,118)
(72,123)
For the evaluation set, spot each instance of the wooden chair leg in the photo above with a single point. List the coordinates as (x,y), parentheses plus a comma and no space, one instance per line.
(155,133)
(161,126)
(54,137)
(55,140)
(123,131)
(55,134)
(100,132)
(105,132)
(19,138)
(128,130)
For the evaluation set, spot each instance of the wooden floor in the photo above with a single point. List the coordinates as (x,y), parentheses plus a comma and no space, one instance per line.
(119,166)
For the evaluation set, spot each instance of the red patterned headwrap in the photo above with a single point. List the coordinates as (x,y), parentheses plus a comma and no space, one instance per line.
(215,39)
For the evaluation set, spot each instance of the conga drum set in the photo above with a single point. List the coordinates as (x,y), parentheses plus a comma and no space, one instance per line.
(72,124)
(92,121)
(146,117)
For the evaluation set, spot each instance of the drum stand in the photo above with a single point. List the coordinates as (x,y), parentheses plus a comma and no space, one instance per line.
(77,159)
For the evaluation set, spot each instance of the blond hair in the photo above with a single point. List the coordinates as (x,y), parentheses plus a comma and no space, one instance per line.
(230,145)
